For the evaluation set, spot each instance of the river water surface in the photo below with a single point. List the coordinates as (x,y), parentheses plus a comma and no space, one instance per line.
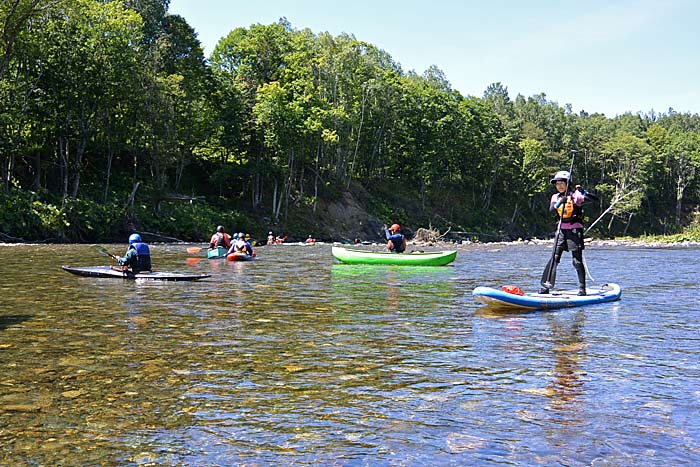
(294,359)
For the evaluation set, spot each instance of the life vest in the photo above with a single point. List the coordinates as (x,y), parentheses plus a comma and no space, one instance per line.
(398,248)
(568,211)
(143,257)
(221,240)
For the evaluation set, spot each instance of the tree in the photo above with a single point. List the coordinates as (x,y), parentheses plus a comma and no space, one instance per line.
(684,164)
(628,163)
(89,58)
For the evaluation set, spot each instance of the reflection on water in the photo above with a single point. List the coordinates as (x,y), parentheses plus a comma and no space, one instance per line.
(294,359)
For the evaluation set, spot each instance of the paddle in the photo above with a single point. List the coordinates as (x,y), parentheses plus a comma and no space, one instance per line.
(549,276)
(105,252)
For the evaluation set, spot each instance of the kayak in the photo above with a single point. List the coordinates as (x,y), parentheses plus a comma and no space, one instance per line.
(216,253)
(435,258)
(240,257)
(499,298)
(108,271)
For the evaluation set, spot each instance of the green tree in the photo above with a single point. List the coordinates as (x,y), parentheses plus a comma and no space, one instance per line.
(628,163)
(684,164)
(89,55)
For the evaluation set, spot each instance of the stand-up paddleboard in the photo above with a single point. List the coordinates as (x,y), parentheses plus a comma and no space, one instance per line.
(555,299)
(108,271)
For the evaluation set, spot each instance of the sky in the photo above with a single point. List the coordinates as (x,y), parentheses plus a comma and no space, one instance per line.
(605,56)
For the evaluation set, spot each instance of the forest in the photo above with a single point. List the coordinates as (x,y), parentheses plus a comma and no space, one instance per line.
(112,120)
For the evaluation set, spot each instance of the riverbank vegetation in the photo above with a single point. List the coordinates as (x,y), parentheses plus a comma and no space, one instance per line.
(112,120)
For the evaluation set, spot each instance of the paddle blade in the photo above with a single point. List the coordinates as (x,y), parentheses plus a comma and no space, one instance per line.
(194,249)
(103,251)
(549,276)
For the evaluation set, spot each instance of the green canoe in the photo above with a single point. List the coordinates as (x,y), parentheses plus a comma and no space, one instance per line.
(435,258)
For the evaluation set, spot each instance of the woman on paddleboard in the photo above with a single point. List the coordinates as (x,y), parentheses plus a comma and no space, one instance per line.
(569,236)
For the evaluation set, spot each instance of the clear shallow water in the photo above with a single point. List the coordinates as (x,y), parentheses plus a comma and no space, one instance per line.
(296,360)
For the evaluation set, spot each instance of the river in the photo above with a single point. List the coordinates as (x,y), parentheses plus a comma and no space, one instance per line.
(294,359)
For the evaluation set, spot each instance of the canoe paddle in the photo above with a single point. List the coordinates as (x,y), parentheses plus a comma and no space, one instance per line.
(105,252)
(549,276)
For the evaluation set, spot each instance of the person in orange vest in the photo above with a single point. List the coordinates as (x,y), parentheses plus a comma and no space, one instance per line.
(396,242)
(220,239)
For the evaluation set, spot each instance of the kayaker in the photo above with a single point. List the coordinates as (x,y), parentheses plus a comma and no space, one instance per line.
(396,242)
(138,255)
(241,245)
(220,239)
(567,205)
(270,238)
(248,246)
(310,240)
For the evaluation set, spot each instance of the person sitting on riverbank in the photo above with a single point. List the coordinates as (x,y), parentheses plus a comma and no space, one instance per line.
(396,242)
(137,257)
(220,239)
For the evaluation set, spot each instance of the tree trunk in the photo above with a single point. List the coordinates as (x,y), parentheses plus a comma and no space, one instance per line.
(77,169)
(63,155)
(110,156)
(351,170)
(680,189)
(36,183)
(319,154)
(7,172)
(274,200)
(515,213)
(624,234)
(289,181)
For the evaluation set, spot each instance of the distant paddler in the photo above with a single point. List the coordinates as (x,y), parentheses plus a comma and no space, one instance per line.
(396,241)
(220,239)
(241,245)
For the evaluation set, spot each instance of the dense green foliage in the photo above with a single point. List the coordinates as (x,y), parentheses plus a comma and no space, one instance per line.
(107,108)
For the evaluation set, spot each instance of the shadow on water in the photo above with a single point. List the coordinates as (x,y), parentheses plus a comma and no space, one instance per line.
(495,311)
(7,321)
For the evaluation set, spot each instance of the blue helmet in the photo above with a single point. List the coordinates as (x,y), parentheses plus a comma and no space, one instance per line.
(134,238)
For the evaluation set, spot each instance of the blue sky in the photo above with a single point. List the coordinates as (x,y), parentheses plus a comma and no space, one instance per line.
(599,56)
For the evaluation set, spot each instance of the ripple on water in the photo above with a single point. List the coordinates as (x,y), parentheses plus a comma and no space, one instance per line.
(293,360)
